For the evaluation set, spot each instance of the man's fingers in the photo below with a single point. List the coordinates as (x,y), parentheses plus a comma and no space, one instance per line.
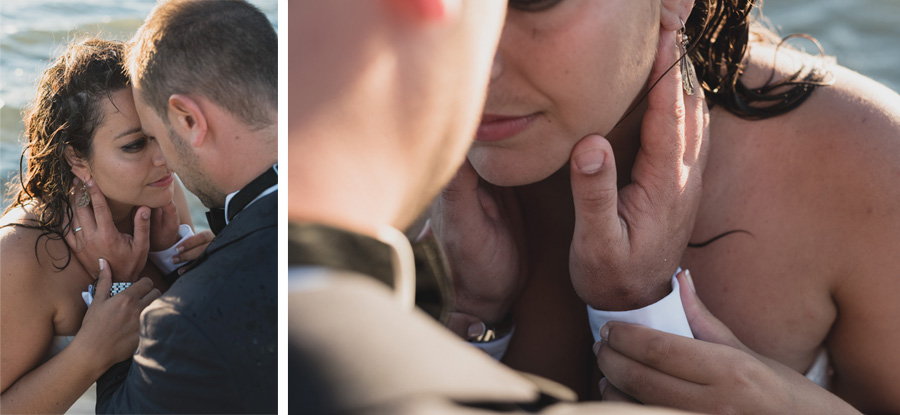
(102,215)
(460,197)
(71,236)
(169,210)
(696,128)
(104,281)
(663,127)
(595,192)
(161,216)
(156,217)
(83,214)
(142,230)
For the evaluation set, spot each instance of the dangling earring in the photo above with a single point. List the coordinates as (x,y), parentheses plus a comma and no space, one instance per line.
(687,67)
(85,198)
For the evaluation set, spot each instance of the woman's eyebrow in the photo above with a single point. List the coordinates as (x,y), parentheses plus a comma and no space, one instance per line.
(129,132)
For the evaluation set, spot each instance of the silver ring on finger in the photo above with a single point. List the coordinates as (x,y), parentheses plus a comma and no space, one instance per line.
(77,229)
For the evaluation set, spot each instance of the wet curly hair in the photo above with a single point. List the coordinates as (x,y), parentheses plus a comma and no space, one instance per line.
(65,113)
(720,33)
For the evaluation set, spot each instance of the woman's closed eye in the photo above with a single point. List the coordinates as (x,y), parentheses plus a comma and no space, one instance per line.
(136,145)
(532,5)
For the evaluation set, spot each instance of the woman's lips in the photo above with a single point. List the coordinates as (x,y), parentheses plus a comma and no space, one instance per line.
(165,181)
(498,127)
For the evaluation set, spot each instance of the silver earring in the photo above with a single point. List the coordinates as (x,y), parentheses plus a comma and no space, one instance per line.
(85,198)
(687,67)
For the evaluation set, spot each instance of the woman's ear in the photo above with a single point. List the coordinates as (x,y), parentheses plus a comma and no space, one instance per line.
(187,119)
(80,166)
(673,12)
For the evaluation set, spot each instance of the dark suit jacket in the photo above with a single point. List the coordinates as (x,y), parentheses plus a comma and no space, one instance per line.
(209,344)
(353,350)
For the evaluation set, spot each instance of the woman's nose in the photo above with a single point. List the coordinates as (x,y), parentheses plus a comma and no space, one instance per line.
(158,158)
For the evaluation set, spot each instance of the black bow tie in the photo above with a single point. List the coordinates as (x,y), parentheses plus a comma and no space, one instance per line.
(216,216)
(216,219)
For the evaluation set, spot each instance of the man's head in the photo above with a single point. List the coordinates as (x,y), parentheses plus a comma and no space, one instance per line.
(386,95)
(205,72)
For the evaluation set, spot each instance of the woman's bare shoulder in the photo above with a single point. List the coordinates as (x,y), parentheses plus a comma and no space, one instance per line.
(853,110)
(27,253)
(832,161)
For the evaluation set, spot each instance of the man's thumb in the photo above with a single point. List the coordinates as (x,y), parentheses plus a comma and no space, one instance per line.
(594,189)
(142,229)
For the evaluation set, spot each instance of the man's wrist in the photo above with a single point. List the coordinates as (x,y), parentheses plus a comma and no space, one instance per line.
(667,314)
(629,295)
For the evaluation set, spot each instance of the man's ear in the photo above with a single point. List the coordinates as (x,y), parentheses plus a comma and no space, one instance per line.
(80,167)
(187,119)
(424,10)
(673,12)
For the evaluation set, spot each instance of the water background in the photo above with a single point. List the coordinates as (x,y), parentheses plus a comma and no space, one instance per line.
(863,35)
(34,32)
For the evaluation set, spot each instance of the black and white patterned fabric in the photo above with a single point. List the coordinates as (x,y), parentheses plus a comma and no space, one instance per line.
(118,287)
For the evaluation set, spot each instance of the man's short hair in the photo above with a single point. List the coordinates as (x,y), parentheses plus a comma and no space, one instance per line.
(226,51)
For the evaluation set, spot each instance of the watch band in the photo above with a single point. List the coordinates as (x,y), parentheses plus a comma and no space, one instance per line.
(116,288)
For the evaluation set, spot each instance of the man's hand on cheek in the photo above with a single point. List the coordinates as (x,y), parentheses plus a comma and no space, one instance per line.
(628,242)
(480,228)
(93,235)
(164,222)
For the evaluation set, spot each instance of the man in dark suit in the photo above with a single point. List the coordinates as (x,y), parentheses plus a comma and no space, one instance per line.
(204,77)
(384,100)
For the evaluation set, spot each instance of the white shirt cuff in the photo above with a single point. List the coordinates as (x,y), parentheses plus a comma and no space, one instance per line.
(665,315)
(163,259)
(496,348)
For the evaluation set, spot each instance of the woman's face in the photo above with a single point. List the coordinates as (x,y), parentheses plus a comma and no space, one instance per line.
(127,166)
(560,74)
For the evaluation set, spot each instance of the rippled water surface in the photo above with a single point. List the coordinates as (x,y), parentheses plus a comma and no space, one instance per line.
(864,35)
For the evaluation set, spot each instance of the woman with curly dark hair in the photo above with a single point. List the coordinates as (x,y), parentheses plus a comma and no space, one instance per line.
(82,130)
(792,247)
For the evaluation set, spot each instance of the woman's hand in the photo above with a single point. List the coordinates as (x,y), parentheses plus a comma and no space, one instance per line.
(110,328)
(480,229)
(714,373)
(92,235)
(628,242)
(164,224)
(192,247)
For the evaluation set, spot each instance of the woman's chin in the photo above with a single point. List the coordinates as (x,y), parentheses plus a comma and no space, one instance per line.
(512,175)
(158,201)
